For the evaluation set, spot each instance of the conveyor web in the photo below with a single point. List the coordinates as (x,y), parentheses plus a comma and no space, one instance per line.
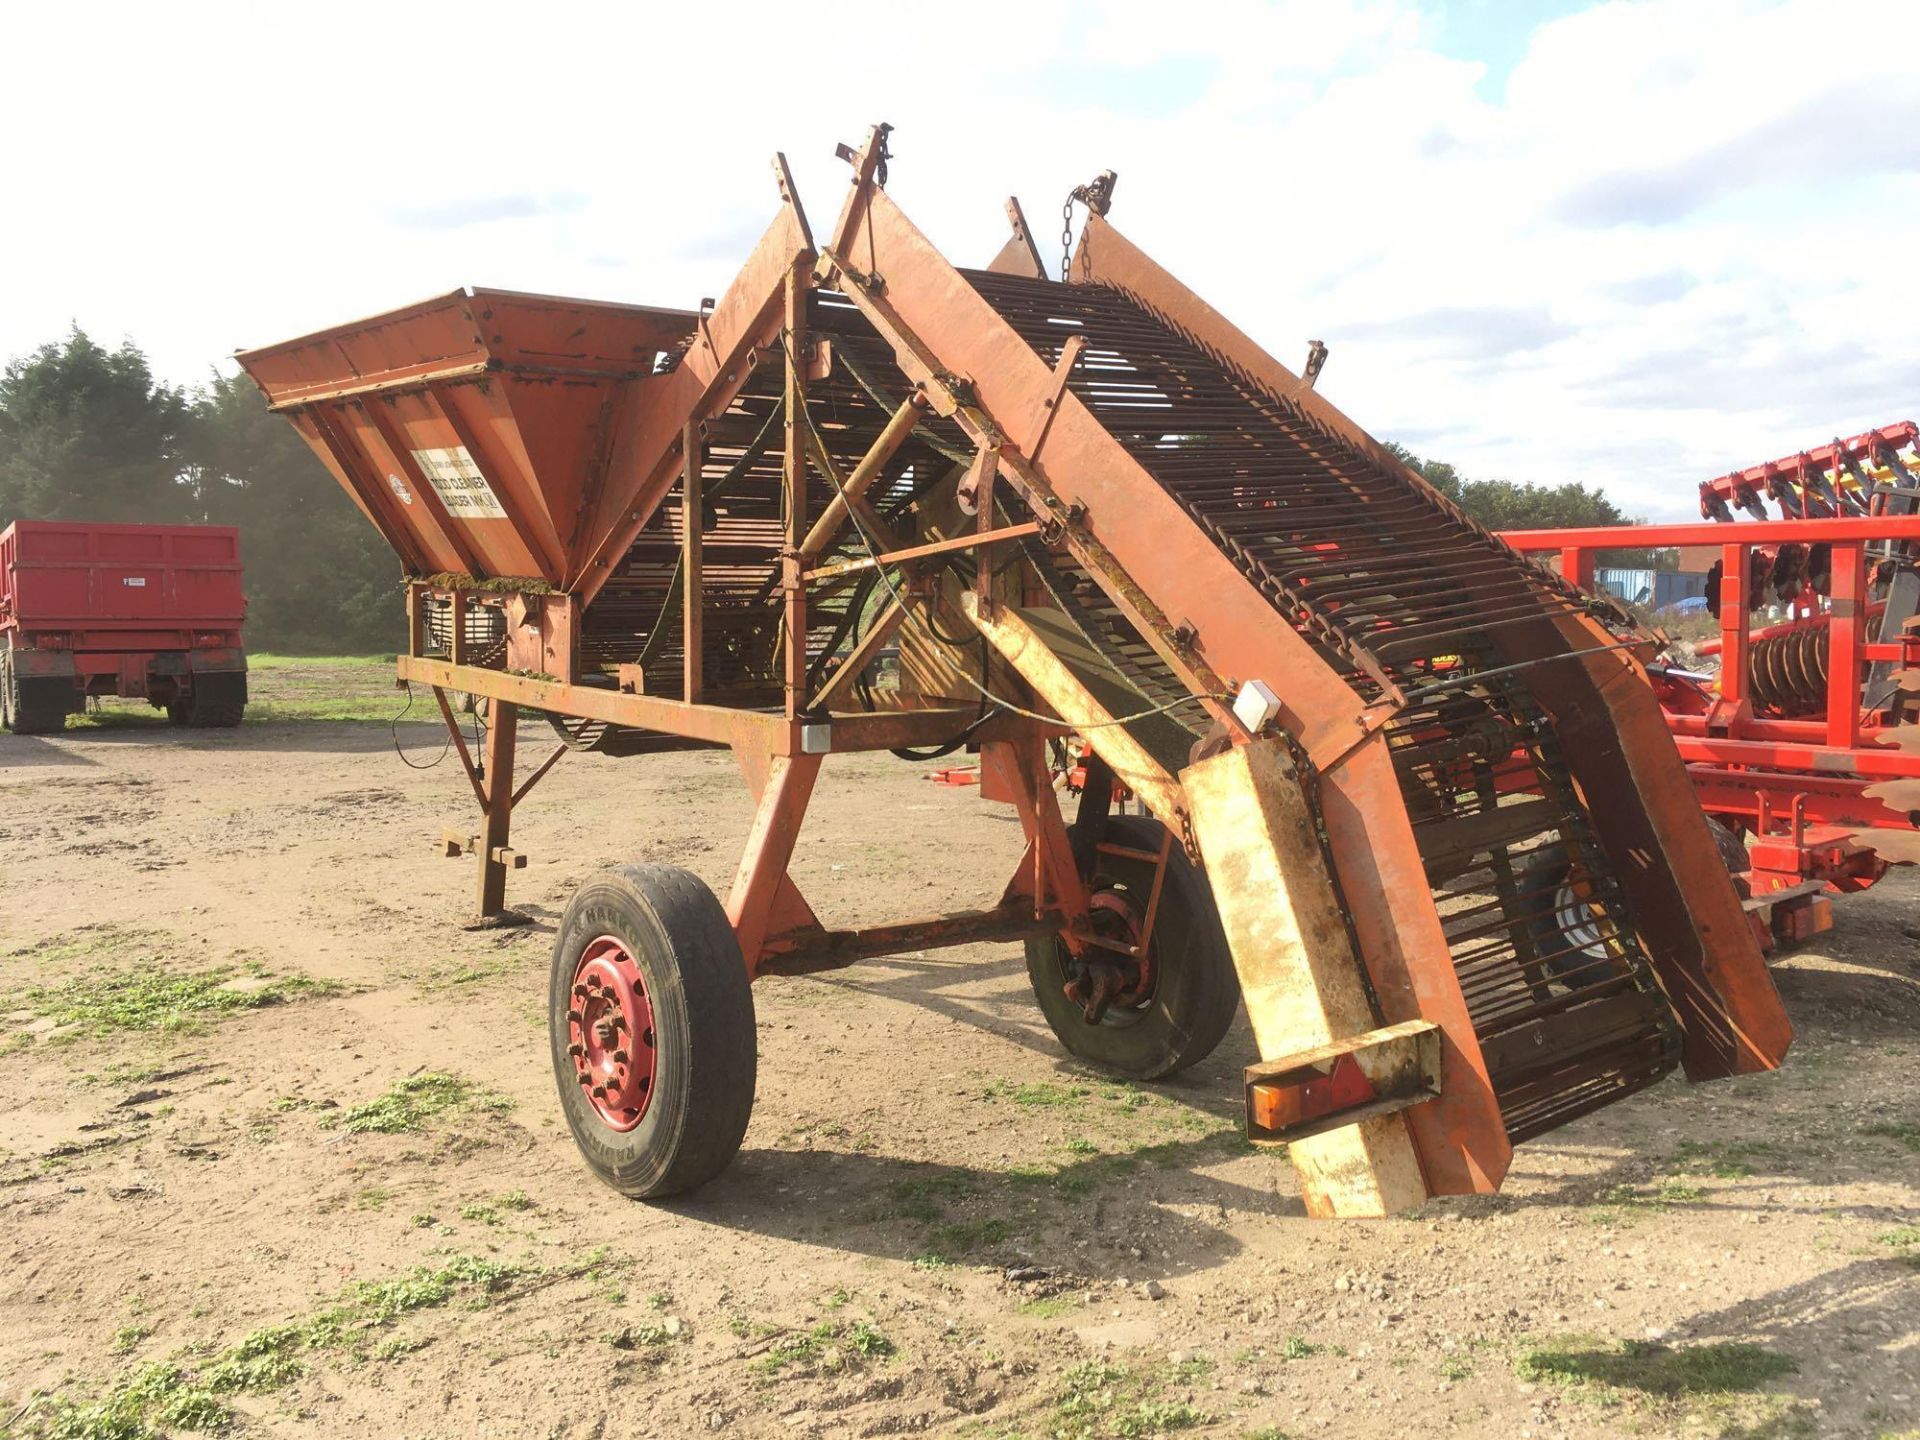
(1376,573)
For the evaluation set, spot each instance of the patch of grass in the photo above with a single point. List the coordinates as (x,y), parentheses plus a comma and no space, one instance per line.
(409,1103)
(1298,1347)
(1049,1307)
(1905,1240)
(924,1197)
(931,1260)
(651,1336)
(1098,1399)
(1663,1196)
(1902,1132)
(128,1337)
(1723,1160)
(1455,1368)
(1659,1370)
(460,973)
(830,1346)
(1079,1146)
(1192,1369)
(513,1200)
(1036,1093)
(484,1214)
(272,661)
(963,1236)
(153,997)
(372,1197)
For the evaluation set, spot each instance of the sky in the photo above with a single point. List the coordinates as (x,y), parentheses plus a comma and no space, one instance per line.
(1630,244)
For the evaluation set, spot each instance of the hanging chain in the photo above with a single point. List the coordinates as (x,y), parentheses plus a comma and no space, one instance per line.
(1096,195)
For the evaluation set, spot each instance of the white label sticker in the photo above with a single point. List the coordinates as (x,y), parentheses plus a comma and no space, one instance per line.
(459,484)
(138,582)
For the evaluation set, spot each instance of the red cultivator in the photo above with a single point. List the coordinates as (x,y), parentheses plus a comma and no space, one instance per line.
(1357,720)
(1805,742)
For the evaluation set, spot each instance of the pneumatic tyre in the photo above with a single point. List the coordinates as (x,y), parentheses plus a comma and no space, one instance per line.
(216,702)
(1194,991)
(33,707)
(1561,928)
(650,1024)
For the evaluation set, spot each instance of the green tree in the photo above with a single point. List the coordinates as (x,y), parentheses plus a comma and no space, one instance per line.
(88,434)
(320,580)
(1513,505)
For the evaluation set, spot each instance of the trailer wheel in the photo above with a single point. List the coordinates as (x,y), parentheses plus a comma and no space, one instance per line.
(650,1023)
(1558,924)
(1193,990)
(33,708)
(216,702)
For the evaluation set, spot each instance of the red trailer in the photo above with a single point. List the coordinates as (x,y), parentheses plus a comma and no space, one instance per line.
(137,610)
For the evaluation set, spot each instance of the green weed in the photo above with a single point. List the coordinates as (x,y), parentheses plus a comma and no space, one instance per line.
(1722,1160)
(1099,1399)
(1900,1131)
(1655,1369)
(1036,1093)
(409,1103)
(1049,1307)
(155,998)
(829,1346)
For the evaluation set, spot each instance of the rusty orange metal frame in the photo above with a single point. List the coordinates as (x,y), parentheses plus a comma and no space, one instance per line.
(1462,1141)
(513,449)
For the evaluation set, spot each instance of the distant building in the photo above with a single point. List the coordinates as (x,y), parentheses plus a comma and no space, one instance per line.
(1654,589)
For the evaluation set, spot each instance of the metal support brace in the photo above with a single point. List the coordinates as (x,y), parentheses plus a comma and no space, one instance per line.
(1298,973)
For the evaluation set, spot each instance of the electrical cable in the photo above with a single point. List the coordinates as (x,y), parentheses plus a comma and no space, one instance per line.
(393,728)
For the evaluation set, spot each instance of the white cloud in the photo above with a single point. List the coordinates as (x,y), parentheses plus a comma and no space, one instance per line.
(1674,240)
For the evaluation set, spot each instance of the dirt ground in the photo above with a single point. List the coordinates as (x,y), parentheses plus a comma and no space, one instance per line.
(279,1151)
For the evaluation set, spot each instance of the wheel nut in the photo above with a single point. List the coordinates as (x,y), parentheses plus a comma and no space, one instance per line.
(584,1078)
(599,1092)
(580,992)
(576,1051)
(619,1057)
(576,1015)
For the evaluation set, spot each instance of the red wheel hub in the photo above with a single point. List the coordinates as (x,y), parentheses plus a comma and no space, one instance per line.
(610,1033)
(1104,978)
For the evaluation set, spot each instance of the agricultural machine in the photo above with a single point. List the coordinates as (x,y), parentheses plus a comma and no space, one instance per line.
(1078,505)
(1803,747)
(149,611)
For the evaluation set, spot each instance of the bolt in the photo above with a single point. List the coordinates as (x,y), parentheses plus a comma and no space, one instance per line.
(599,1092)
(584,1078)
(576,1015)
(576,1051)
(619,1057)
(580,992)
